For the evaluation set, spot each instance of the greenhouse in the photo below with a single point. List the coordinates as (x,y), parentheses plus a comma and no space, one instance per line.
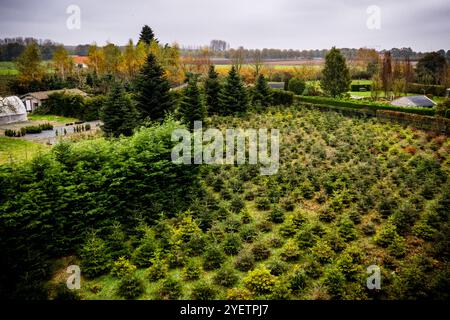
(12,110)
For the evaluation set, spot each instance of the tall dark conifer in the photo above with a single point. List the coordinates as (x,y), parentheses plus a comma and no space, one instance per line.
(233,96)
(147,35)
(152,88)
(191,107)
(118,113)
(212,90)
(262,94)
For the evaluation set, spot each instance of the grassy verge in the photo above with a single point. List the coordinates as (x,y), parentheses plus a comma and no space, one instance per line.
(51,118)
(13,149)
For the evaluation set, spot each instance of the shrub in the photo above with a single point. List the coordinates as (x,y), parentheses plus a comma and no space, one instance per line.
(232,225)
(296,85)
(145,251)
(397,248)
(192,270)
(275,242)
(322,252)
(226,277)
(347,229)
(260,251)
(158,269)
(238,294)
(244,261)
(263,203)
(335,282)
(64,293)
(386,235)
(424,231)
(122,267)
(368,228)
(288,228)
(313,269)
(276,215)
(297,280)
(281,97)
(95,258)
(290,251)
(264,226)
(170,289)
(203,290)
(306,238)
(248,232)
(347,266)
(281,291)
(130,287)
(245,216)
(260,281)
(277,267)
(232,243)
(237,204)
(213,257)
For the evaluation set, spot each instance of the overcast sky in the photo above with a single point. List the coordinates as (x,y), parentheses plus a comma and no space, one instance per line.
(423,25)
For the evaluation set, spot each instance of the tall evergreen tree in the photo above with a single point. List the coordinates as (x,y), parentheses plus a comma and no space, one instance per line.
(191,107)
(262,94)
(118,113)
(336,76)
(147,35)
(153,98)
(233,96)
(212,90)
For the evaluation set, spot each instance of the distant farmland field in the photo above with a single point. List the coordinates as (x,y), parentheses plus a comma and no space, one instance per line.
(8,68)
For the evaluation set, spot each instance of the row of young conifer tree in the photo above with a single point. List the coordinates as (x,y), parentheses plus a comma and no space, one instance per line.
(151,98)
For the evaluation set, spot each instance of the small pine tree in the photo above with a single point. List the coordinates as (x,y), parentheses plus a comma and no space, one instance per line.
(147,35)
(262,93)
(336,76)
(233,96)
(94,256)
(212,90)
(191,107)
(118,113)
(153,98)
(145,251)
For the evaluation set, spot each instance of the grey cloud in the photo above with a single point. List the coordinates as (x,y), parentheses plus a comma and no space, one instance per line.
(306,24)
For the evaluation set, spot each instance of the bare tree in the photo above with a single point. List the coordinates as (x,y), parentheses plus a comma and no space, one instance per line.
(238,59)
(257,62)
(386,73)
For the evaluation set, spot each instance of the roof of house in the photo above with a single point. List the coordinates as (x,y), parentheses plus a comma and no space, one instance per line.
(80,59)
(413,101)
(43,95)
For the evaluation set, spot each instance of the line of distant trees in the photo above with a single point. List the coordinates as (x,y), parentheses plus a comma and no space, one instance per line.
(12,48)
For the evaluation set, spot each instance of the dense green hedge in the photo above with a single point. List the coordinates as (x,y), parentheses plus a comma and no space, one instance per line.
(363,105)
(48,206)
(418,88)
(69,105)
(358,87)
(282,97)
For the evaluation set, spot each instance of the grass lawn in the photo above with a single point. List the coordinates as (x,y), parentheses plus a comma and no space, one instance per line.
(8,68)
(51,118)
(18,150)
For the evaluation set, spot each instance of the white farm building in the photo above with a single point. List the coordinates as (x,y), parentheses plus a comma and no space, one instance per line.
(12,110)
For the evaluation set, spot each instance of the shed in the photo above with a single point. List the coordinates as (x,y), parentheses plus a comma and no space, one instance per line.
(34,100)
